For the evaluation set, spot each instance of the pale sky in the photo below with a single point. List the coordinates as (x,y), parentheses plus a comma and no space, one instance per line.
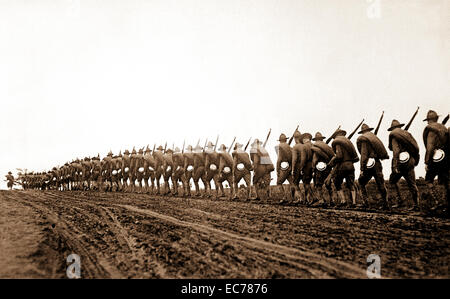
(82,77)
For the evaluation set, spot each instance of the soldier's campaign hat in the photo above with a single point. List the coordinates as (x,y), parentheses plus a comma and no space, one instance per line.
(238,145)
(198,147)
(210,144)
(256,142)
(141,150)
(170,151)
(340,132)
(133,151)
(297,134)
(160,148)
(306,136)
(365,128)
(282,137)
(222,147)
(110,153)
(318,136)
(395,124)
(177,150)
(189,147)
(147,149)
(431,114)
(9,172)
(126,152)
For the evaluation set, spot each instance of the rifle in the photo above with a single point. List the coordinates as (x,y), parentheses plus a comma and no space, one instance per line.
(154,146)
(267,138)
(379,123)
(332,135)
(292,138)
(356,129)
(247,144)
(182,151)
(411,120)
(445,120)
(165,147)
(229,149)
(198,142)
(215,144)
(206,141)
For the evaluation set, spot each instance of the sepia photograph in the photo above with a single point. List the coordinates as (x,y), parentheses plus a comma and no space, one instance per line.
(204,142)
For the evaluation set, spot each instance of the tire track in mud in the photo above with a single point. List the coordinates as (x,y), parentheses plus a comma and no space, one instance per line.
(323,266)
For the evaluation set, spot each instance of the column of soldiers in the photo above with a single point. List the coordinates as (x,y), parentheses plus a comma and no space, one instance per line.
(309,160)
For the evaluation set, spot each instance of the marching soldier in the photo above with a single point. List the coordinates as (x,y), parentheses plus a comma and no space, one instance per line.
(87,168)
(225,170)
(372,151)
(116,166)
(168,169)
(345,157)
(149,170)
(140,169)
(284,162)
(126,164)
(107,168)
(178,170)
(436,139)
(302,164)
(133,169)
(322,154)
(96,173)
(242,167)
(212,169)
(199,169)
(9,180)
(159,163)
(262,166)
(405,159)
(188,169)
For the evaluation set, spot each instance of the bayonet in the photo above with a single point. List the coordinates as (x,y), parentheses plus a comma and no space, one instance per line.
(356,129)
(379,123)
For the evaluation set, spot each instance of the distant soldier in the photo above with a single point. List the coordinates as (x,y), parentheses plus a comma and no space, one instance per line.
(302,164)
(149,170)
(405,159)
(212,169)
(372,151)
(178,170)
(322,155)
(9,180)
(107,168)
(284,162)
(54,179)
(436,139)
(87,168)
(345,157)
(78,174)
(96,173)
(242,167)
(133,170)
(168,169)
(140,168)
(225,170)
(262,166)
(199,169)
(159,163)
(116,170)
(188,169)
(126,164)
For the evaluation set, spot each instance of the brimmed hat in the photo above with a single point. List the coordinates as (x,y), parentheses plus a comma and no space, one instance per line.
(126,152)
(343,132)
(210,144)
(133,151)
(222,147)
(238,145)
(318,136)
(109,155)
(256,142)
(147,149)
(177,150)
(282,138)
(431,114)
(297,134)
(365,128)
(160,148)
(306,136)
(9,172)
(141,150)
(395,124)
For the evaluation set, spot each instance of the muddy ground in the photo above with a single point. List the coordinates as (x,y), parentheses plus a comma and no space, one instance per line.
(121,235)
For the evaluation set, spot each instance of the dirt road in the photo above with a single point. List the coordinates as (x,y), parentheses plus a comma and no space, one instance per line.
(142,236)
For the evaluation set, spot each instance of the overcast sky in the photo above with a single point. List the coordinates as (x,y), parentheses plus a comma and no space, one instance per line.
(82,77)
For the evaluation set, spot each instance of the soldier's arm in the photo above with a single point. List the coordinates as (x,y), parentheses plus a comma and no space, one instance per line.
(302,158)
(339,154)
(396,153)
(315,159)
(294,157)
(364,156)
